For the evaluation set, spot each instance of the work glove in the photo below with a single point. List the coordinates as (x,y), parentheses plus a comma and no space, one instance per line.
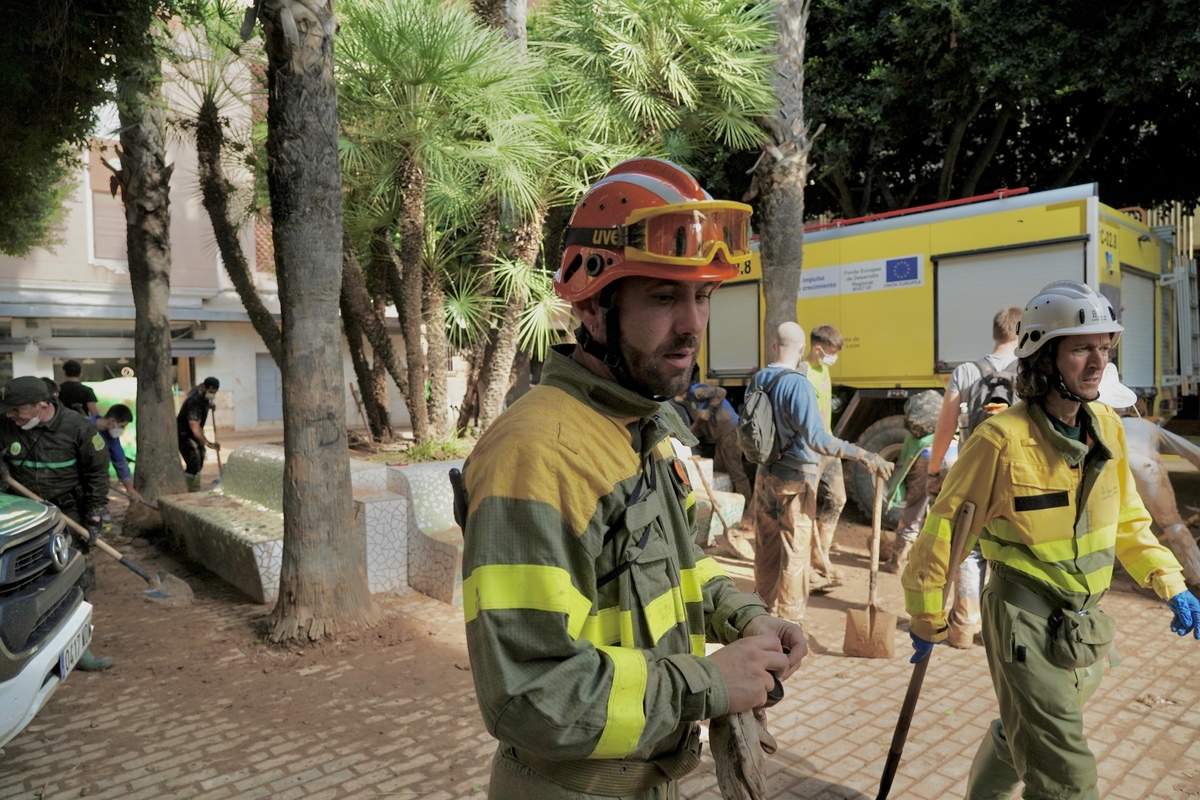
(214,445)
(95,529)
(1187,614)
(921,648)
(878,466)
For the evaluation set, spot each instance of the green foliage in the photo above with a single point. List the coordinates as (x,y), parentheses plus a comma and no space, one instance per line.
(544,311)
(925,100)
(58,62)
(423,80)
(644,77)
(452,447)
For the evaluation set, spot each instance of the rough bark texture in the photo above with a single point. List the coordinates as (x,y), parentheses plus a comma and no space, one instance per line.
(488,232)
(366,314)
(781,172)
(216,190)
(145,184)
(527,240)
(408,291)
(323,579)
(374,417)
(438,353)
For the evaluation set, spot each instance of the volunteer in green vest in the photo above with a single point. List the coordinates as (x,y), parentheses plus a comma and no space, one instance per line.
(587,602)
(824,344)
(1054,503)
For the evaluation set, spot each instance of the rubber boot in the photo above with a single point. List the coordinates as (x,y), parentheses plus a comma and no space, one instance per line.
(899,559)
(193,482)
(89,663)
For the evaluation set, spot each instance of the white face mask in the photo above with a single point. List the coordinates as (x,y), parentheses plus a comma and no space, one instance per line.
(115,431)
(33,423)
(829,360)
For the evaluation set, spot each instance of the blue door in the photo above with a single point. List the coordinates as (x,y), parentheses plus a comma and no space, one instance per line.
(270,389)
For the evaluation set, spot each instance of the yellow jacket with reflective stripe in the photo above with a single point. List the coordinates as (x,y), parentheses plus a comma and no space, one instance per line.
(1027,481)
(573,481)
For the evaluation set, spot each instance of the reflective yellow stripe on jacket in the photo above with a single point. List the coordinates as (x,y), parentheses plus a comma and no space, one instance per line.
(1026,493)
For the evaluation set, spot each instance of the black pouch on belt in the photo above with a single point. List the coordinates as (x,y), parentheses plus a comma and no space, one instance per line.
(1079,639)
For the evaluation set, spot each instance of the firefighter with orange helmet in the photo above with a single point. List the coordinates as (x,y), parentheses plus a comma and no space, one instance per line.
(587,602)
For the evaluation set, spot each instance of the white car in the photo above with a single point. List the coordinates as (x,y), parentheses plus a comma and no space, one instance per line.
(45,624)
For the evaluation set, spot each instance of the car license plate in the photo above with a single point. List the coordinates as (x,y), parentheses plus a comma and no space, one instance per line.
(70,655)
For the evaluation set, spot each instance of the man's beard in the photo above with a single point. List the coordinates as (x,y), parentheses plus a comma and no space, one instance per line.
(650,376)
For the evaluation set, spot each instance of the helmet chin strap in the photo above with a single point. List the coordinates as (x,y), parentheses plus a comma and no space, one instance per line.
(1067,394)
(610,354)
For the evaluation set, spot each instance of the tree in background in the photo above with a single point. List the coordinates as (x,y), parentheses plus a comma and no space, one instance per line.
(439,116)
(782,171)
(144,182)
(323,578)
(927,101)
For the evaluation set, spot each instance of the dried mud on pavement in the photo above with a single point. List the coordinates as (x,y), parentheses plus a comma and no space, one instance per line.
(198,706)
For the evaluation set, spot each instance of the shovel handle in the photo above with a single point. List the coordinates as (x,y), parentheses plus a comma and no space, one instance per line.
(876,534)
(104,546)
(962,527)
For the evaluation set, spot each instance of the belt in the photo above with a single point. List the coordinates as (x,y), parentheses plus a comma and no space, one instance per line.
(618,777)
(1026,599)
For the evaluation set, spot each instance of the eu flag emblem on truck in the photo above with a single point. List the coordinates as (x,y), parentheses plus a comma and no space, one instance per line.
(901,269)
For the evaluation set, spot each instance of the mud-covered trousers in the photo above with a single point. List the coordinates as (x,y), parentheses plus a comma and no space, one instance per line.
(831,499)
(1039,736)
(785,522)
(512,780)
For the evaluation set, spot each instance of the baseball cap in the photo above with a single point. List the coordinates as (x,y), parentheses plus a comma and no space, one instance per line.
(23,391)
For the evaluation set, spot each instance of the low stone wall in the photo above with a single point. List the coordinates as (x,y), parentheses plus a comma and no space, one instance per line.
(404,512)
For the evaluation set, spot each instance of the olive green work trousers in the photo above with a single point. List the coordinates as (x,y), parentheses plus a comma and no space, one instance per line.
(512,780)
(1039,736)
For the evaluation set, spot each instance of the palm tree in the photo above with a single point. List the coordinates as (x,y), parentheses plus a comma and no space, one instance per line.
(323,579)
(440,116)
(782,171)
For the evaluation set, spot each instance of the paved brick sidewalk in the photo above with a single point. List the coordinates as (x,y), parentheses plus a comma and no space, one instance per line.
(140,732)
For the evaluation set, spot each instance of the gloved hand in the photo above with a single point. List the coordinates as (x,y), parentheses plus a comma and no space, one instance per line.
(214,445)
(95,529)
(878,466)
(1187,614)
(921,648)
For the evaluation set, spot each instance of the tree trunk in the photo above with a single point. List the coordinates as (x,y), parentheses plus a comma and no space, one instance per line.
(488,242)
(408,291)
(375,421)
(215,190)
(527,241)
(323,577)
(781,173)
(361,314)
(377,291)
(145,185)
(438,352)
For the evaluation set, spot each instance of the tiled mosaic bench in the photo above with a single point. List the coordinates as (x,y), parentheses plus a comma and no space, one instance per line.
(236,530)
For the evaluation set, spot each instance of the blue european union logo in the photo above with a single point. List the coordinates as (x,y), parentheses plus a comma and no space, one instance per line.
(901,269)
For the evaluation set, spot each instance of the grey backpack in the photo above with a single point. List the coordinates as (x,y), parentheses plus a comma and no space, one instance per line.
(756,433)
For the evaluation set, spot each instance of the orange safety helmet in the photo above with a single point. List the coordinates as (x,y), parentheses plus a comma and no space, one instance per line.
(650,218)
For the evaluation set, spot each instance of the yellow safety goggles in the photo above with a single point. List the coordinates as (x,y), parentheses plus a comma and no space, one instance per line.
(682,233)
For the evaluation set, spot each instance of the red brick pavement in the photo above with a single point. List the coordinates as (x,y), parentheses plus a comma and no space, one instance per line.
(128,734)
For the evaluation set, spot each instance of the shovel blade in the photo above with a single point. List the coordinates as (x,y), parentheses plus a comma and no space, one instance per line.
(168,590)
(870,633)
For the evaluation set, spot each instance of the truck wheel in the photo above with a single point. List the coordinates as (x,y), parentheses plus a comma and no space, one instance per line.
(885,437)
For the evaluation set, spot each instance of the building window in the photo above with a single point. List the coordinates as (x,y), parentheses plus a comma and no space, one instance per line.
(108,211)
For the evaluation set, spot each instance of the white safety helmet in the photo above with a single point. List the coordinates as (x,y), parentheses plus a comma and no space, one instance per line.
(1065,308)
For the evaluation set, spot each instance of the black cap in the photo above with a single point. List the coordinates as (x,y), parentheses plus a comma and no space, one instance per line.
(212,383)
(23,391)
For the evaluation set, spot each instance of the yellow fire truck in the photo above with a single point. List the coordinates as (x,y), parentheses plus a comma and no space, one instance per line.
(914,292)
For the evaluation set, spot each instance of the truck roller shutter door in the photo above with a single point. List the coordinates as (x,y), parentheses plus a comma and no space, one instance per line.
(1137,342)
(971,287)
(733,330)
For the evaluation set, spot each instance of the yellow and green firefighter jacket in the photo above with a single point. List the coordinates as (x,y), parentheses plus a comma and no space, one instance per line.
(1052,511)
(587,602)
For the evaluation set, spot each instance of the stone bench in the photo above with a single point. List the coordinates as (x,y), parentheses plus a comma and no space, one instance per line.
(403,511)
